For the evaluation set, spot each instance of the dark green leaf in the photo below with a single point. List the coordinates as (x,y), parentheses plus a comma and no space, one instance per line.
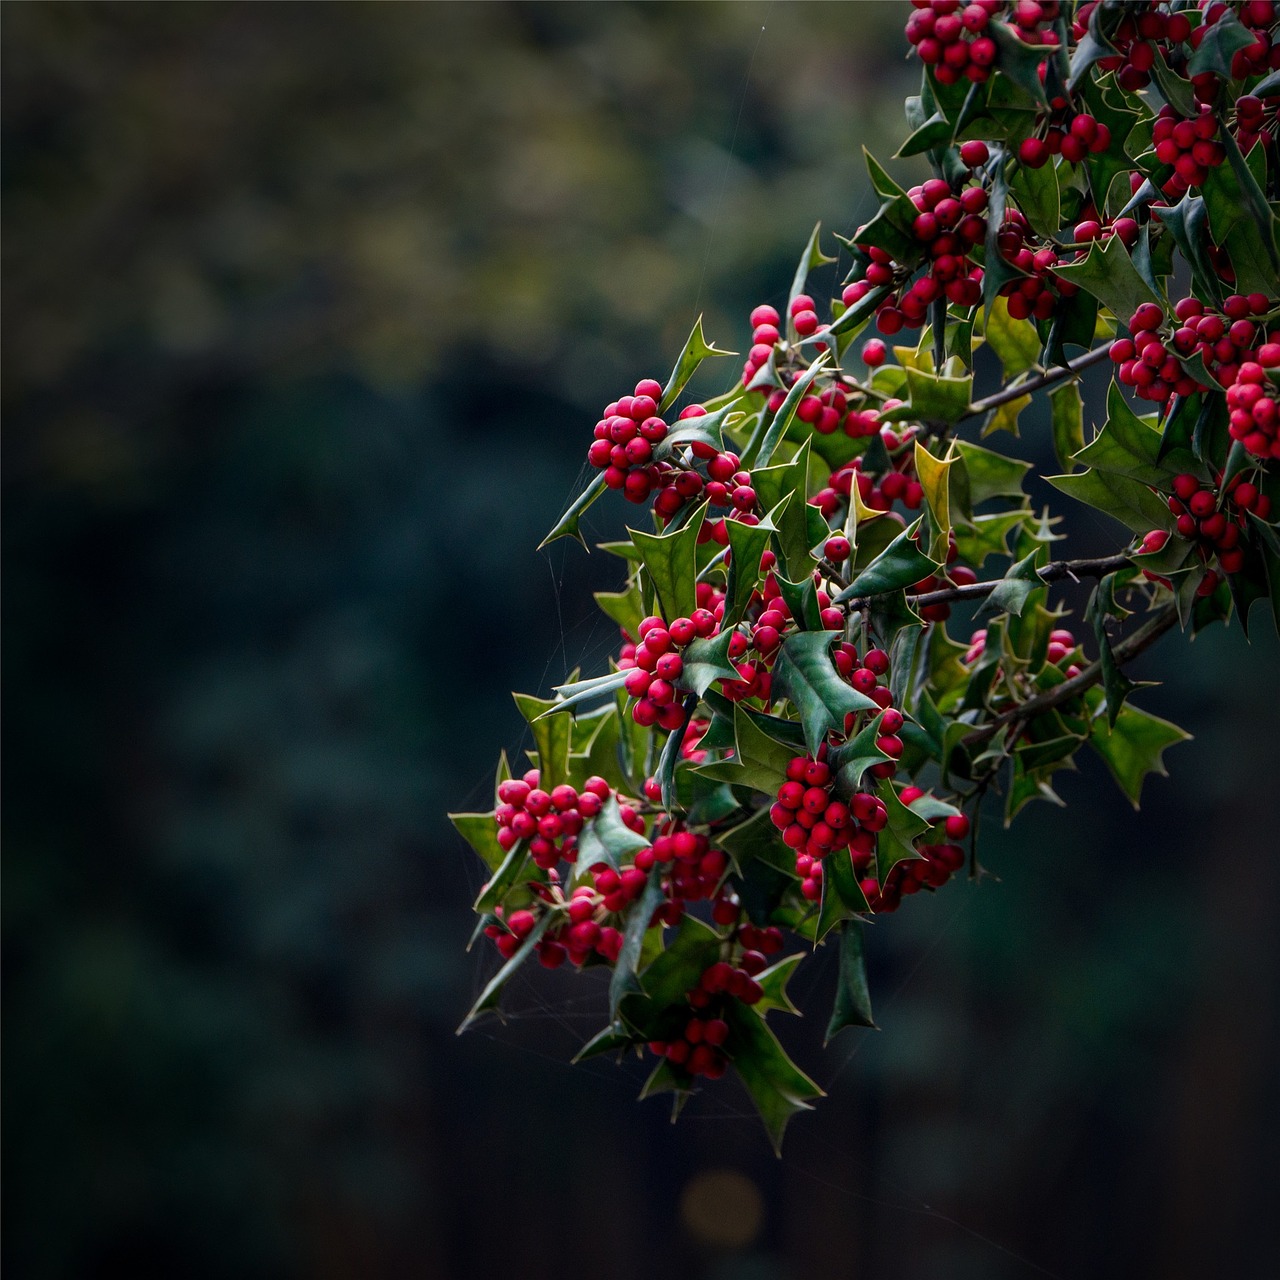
(706,661)
(774,981)
(782,419)
(606,838)
(1010,595)
(1134,746)
(1221,42)
(804,674)
(852,1006)
(670,559)
(567,525)
(1129,501)
(696,350)
(1108,274)
(899,565)
(480,831)
(552,735)
(991,474)
(625,980)
(1037,194)
(1128,446)
(842,896)
(1018,61)
(811,258)
(851,760)
(895,842)
(776,1085)
(489,997)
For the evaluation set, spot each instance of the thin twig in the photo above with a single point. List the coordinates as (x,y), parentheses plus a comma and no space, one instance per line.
(1129,648)
(1045,379)
(1097,567)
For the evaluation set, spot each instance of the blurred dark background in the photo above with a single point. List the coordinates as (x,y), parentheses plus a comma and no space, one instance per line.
(308,312)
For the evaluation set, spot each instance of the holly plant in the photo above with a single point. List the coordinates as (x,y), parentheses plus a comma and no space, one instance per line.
(796,735)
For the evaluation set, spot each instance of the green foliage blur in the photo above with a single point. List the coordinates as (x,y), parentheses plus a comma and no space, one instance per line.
(309,311)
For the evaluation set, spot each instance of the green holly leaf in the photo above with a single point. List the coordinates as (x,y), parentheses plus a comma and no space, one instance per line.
(933,397)
(805,675)
(760,761)
(670,559)
(626,608)
(577,692)
(1103,607)
(1067,412)
(786,412)
(934,477)
(673,973)
(1221,42)
(990,474)
(1014,589)
(811,258)
(777,1086)
(480,831)
(613,1039)
(899,565)
(1134,747)
(1126,445)
(489,997)
(1018,61)
(748,543)
(1127,500)
(852,318)
(1252,195)
(1188,223)
(774,981)
(886,188)
(567,525)
(852,1006)
(625,979)
(552,736)
(802,599)
(1038,196)
(696,350)
(706,661)
(1004,417)
(842,896)
(757,840)
(850,761)
(896,840)
(1109,275)
(606,838)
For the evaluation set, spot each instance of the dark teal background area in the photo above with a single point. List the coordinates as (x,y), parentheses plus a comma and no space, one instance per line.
(309,310)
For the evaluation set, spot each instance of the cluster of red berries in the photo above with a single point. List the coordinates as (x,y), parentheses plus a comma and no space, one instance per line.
(1253,408)
(952,37)
(1254,59)
(624,441)
(949,227)
(766,333)
(816,824)
(1251,122)
(549,821)
(1146,364)
(1189,146)
(1072,139)
(695,869)
(698,1050)
(828,411)
(1213,519)
(577,940)
(1037,294)
(655,666)
(1229,341)
(1143,27)
(1062,645)
(879,492)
